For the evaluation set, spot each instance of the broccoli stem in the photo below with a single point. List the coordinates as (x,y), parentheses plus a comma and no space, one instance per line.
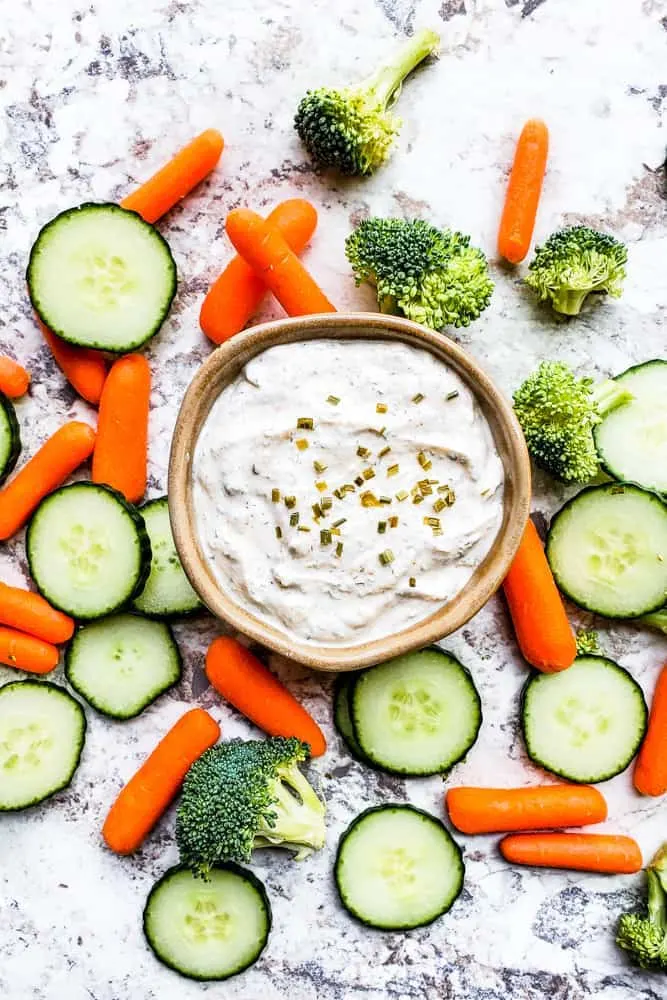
(657,901)
(569,301)
(299,817)
(658,620)
(384,86)
(607,395)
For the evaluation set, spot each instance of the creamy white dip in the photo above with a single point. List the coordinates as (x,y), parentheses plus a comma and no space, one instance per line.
(363,578)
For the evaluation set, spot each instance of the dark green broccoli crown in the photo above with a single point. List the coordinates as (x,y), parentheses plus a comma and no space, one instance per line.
(229,795)
(575,262)
(432,276)
(643,940)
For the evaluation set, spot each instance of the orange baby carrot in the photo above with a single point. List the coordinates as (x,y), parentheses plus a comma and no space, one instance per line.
(148,793)
(542,628)
(120,455)
(29,612)
(177,178)
(523,191)
(27,653)
(251,688)
(546,807)
(14,379)
(84,369)
(651,768)
(583,852)
(237,293)
(268,254)
(58,457)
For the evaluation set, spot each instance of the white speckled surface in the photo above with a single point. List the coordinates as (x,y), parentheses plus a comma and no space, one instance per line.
(94,97)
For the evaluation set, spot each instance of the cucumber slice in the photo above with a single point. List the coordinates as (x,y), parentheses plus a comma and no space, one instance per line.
(585,723)
(632,439)
(88,550)
(10,438)
(122,663)
(210,929)
(342,716)
(607,549)
(42,732)
(101,277)
(167,591)
(417,714)
(398,868)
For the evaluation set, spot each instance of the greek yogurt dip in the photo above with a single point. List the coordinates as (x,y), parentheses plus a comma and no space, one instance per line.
(345,489)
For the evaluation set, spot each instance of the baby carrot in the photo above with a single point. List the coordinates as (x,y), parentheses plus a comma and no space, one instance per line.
(236,294)
(582,852)
(29,612)
(268,254)
(177,178)
(523,191)
(58,457)
(546,807)
(251,688)
(27,653)
(14,379)
(542,628)
(651,767)
(120,455)
(84,369)
(148,793)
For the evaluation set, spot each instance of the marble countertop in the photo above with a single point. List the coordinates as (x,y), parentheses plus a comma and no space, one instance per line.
(95,96)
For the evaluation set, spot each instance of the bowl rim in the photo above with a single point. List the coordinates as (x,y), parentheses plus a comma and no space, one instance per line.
(223,365)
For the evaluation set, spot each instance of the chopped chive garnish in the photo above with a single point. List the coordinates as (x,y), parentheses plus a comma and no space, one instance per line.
(304,527)
(369,499)
(485,493)
(381,407)
(305,424)
(319,467)
(335,531)
(380,431)
(326,503)
(385,500)
(301,444)
(359,480)
(439,505)
(393,470)
(424,461)
(339,550)
(317,511)
(279,531)
(363,452)
(368,473)
(294,519)
(402,495)
(437,532)
(325,537)
(432,522)
(451,395)
(334,400)
(290,502)
(386,557)
(382,527)
(418,398)
(321,486)
(348,488)
(412,581)
(443,489)
(417,498)
(385,451)
(341,520)
(275,496)
(338,494)
(448,495)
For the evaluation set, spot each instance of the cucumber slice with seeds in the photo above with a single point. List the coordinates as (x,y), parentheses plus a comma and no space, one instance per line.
(397,868)
(88,550)
(417,714)
(122,663)
(99,276)
(10,438)
(632,439)
(607,549)
(585,723)
(42,732)
(209,929)
(342,715)
(168,591)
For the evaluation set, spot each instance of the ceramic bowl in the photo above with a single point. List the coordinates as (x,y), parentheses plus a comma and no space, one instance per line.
(225,364)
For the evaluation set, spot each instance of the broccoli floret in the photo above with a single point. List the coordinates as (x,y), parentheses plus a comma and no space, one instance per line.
(557,412)
(350,129)
(575,262)
(645,938)
(246,794)
(432,276)
(587,642)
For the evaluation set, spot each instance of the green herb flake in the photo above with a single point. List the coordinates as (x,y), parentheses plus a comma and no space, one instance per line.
(326,503)
(341,520)
(290,502)
(363,452)
(275,496)
(321,486)
(359,480)
(418,498)
(393,522)
(418,398)
(402,495)
(325,537)
(432,522)
(305,424)
(452,395)
(386,557)
(301,444)
(393,470)
(425,488)
(424,461)
(279,532)
(319,467)
(369,499)
(382,527)
(439,505)
(339,550)
(368,474)
(294,520)
(385,500)
(334,400)
(381,407)
(385,451)
(349,488)
(338,494)
(412,581)
(317,511)
(304,527)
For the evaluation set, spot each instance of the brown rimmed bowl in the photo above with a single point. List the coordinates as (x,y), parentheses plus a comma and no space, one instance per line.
(225,364)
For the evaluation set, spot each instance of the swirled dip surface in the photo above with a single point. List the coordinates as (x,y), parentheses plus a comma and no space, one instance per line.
(344,490)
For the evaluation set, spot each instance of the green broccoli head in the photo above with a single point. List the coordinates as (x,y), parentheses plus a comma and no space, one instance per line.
(557,412)
(350,129)
(575,262)
(645,938)
(588,643)
(432,276)
(246,794)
